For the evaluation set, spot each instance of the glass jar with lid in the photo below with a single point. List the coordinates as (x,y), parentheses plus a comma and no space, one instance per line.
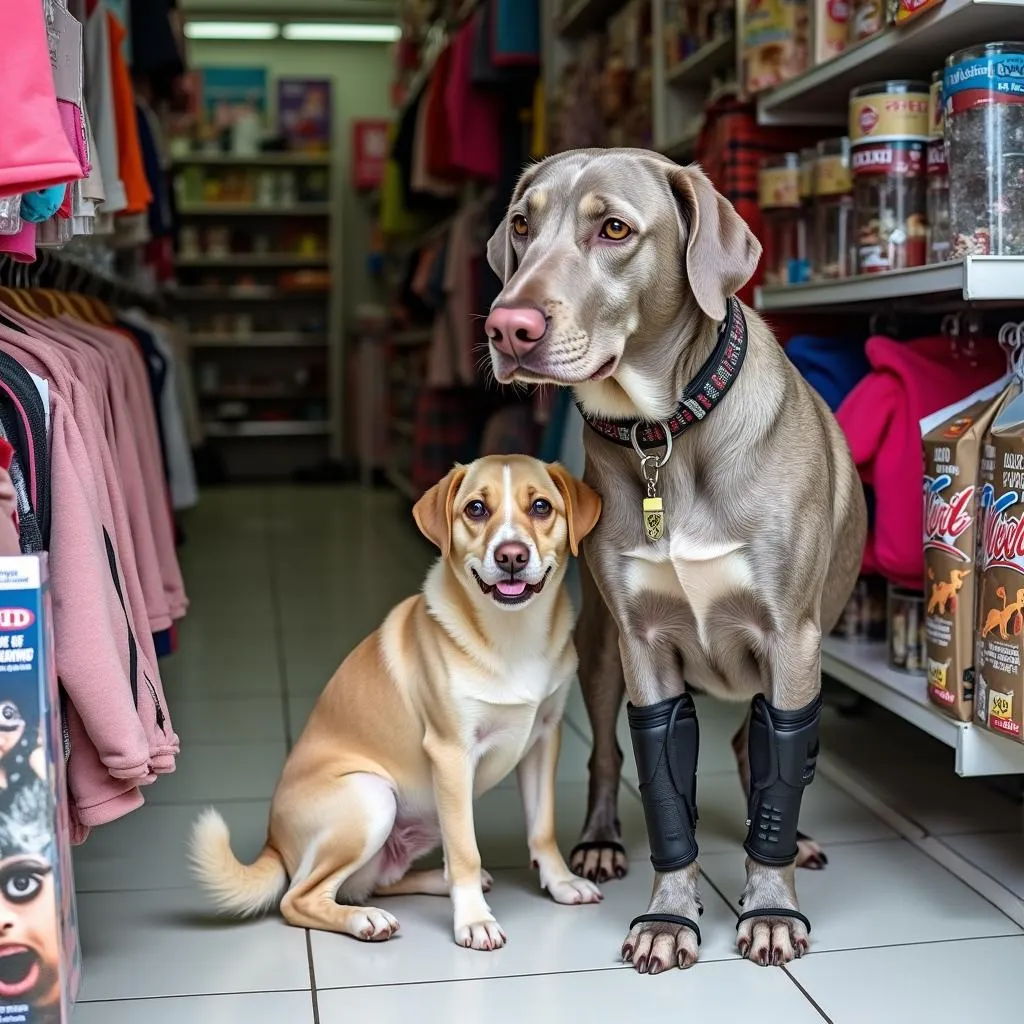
(778,189)
(833,211)
(937,171)
(983,100)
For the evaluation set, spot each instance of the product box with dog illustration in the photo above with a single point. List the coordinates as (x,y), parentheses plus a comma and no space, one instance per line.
(1000,700)
(40,962)
(952,453)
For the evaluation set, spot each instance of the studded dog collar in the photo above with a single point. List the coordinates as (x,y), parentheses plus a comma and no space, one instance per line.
(700,396)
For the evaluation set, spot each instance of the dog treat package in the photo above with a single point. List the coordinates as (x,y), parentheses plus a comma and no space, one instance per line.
(952,453)
(41,963)
(999,704)
(776,42)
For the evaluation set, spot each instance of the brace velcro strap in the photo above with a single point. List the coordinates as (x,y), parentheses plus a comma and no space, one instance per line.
(685,922)
(665,743)
(749,915)
(782,751)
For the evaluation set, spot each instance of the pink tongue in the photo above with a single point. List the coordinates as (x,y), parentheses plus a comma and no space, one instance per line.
(511,588)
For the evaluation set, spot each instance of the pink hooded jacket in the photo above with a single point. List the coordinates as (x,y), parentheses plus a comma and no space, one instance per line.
(881,420)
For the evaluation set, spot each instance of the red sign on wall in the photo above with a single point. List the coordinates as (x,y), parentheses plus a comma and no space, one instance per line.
(369,152)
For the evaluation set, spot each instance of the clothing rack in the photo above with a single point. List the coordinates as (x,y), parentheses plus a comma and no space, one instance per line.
(68,270)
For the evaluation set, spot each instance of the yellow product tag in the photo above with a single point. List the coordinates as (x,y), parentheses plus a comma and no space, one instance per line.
(654,518)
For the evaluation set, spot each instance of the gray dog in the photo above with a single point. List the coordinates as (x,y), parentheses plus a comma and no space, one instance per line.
(733,522)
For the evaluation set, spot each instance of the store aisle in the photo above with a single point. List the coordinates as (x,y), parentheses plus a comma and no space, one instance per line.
(283,583)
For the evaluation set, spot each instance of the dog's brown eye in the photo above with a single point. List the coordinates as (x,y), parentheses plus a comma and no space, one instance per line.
(519,225)
(541,508)
(476,510)
(616,230)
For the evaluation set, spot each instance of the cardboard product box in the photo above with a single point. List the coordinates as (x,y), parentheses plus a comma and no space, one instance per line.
(1000,699)
(775,42)
(952,456)
(38,982)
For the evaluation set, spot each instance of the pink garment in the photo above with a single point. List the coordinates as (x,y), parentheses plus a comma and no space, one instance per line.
(472,113)
(89,372)
(21,247)
(121,733)
(881,420)
(34,151)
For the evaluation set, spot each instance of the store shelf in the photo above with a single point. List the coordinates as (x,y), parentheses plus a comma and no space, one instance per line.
(682,148)
(402,484)
(254,160)
(584,16)
(414,337)
(254,210)
(230,294)
(259,339)
(820,96)
(270,428)
(698,69)
(246,260)
(996,279)
(864,667)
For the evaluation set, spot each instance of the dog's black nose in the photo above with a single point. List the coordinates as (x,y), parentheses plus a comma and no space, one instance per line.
(512,555)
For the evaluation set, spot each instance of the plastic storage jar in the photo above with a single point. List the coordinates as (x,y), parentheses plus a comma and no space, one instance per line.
(833,211)
(937,171)
(778,190)
(888,135)
(801,271)
(983,100)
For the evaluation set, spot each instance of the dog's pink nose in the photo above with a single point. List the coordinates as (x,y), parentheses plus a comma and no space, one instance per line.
(515,330)
(512,555)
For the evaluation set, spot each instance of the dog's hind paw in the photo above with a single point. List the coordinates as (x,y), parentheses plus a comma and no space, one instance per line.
(599,860)
(372,925)
(809,854)
(574,891)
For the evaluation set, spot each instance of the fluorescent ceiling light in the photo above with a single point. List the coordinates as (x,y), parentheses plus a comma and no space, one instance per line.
(231,30)
(341,32)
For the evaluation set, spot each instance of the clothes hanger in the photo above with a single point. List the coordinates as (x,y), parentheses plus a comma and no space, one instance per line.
(15,296)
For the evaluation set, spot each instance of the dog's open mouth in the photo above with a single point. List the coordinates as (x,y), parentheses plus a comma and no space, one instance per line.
(511,590)
(19,971)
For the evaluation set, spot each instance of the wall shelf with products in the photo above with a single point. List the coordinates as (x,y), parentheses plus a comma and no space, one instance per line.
(996,279)
(699,67)
(864,668)
(258,295)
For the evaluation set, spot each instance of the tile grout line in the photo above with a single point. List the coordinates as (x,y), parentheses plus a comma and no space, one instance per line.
(807,995)
(286,717)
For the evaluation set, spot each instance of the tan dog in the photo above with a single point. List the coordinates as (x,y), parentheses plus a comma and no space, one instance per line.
(461,684)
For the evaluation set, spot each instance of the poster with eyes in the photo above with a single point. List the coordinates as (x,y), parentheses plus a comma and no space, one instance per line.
(39,956)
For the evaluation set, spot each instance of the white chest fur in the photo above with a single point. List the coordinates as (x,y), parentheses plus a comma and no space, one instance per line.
(697,571)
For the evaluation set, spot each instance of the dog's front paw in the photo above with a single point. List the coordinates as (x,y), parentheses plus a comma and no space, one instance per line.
(487,935)
(771,940)
(574,891)
(655,946)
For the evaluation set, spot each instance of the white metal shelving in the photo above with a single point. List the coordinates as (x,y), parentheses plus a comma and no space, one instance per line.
(820,95)
(992,279)
(864,667)
(697,69)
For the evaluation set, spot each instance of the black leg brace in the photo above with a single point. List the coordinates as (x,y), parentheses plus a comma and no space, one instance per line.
(665,741)
(783,750)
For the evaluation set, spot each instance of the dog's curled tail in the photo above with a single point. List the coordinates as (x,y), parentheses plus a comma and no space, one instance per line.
(242,890)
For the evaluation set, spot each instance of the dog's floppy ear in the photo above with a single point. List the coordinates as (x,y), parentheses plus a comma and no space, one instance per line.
(721,251)
(433,512)
(500,254)
(582,504)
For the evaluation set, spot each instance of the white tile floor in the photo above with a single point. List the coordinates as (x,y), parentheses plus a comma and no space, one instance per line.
(283,583)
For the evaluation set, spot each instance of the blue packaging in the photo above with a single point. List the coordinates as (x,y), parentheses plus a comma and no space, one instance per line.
(40,958)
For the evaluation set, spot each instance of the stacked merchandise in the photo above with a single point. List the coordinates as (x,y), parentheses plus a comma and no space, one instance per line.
(605,93)
(462,139)
(931,173)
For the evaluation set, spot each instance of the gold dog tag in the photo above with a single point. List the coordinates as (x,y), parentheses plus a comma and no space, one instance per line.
(654,518)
